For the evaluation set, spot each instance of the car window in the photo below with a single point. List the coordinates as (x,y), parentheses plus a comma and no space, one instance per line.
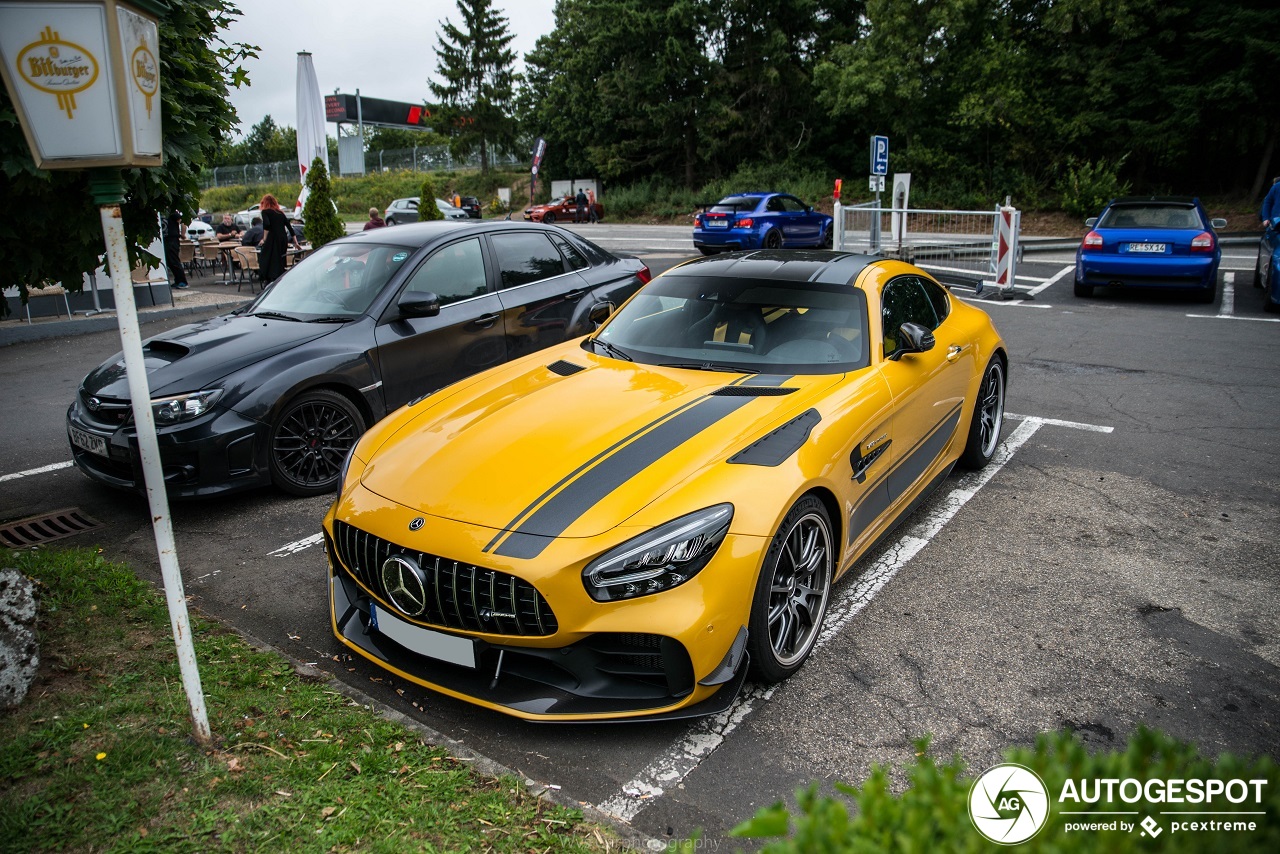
(938,297)
(1150,216)
(730,204)
(774,205)
(525,257)
(904,301)
(791,204)
(453,273)
(572,255)
(337,280)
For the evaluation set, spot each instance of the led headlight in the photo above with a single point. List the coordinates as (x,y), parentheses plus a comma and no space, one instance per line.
(342,476)
(660,559)
(184,407)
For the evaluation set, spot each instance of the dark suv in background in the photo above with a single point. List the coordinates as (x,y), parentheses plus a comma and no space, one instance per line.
(471,205)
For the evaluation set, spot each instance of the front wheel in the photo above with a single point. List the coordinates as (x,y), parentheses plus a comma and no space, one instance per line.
(549,219)
(310,442)
(988,418)
(828,239)
(792,592)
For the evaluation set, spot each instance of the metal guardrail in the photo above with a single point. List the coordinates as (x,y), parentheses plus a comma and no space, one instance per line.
(422,158)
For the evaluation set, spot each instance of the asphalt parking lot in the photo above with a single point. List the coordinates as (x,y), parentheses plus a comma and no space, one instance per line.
(1118,565)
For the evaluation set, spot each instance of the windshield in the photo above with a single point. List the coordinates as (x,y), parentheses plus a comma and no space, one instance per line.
(732,204)
(339,280)
(743,325)
(1151,216)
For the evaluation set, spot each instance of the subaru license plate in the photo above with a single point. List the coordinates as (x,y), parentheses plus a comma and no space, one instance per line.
(1146,247)
(87,441)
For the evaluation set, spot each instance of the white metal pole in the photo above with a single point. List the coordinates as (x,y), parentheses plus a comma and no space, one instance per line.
(144,420)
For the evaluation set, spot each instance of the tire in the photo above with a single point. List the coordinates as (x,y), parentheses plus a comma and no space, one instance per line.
(391,220)
(828,239)
(792,592)
(705,251)
(772,239)
(1259,272)
(1207,295)
(310,441)
(1082,290)
(549,218)
(988,418)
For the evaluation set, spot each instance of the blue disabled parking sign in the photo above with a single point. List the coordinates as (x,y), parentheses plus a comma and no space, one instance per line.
(879,155)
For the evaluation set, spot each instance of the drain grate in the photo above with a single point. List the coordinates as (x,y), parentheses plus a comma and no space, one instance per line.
(42,529)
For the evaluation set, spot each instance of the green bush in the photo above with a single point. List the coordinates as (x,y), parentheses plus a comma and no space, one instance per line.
(1086,186)
(427,208)
(321,222)
(932,814)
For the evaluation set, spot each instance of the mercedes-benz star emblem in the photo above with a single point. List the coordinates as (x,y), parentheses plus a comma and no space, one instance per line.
(94,404)
(417,524)
(405,585)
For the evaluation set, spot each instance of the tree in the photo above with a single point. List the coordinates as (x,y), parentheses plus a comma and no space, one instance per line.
(321,222)
(427,208)
(64,241)
(477,95)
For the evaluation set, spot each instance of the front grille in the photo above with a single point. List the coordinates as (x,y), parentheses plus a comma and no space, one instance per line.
(459,595)
(106,412)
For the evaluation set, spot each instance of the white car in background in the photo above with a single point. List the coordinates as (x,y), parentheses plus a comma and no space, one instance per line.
(199,230)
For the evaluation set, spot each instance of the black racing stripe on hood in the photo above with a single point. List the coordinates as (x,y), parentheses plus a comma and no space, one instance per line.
(588,484)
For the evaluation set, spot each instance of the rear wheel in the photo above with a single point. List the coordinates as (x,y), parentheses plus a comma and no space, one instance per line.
(706,251)
(792,592)
(1083,290)
(549,218)
(310,442)
(988,418)
(1259,271)
(1207,295)
(773,240)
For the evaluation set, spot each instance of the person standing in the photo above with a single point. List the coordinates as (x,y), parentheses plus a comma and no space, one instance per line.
(580,209)
(375,221)
(172,258)
(1270,214)
(276,237)
(591,206)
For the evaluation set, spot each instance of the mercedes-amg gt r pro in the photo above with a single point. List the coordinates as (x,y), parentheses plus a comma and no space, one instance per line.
(628,524)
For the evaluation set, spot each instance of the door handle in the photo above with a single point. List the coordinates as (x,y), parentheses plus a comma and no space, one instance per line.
(575,295)
(485,321)
(953,352)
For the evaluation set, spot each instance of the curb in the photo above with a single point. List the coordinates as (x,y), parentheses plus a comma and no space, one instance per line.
(64,328)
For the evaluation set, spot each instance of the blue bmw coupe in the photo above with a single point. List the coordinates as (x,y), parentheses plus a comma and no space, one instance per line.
(760,221)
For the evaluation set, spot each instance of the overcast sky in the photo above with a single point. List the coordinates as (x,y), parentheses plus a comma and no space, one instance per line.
(384,48)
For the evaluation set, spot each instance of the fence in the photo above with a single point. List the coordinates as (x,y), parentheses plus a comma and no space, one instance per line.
(422,158)
(973,247)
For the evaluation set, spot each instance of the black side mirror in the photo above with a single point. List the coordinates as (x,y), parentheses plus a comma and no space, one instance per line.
(600,312)
(912,338)
(418,304)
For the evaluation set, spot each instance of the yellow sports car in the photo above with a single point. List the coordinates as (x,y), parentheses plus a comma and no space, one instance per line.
(629,524)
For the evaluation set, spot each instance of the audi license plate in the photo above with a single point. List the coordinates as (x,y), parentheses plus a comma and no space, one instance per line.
(437,645)
(89,442)
(1147,247)
(717,223)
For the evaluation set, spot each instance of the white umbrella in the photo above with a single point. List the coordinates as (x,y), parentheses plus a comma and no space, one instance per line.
(311,139)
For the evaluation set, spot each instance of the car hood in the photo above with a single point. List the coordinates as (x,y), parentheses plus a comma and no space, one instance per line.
(193,357)
(543,455)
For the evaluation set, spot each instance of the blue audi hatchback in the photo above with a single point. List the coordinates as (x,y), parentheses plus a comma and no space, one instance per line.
(1150,242)
(760,221)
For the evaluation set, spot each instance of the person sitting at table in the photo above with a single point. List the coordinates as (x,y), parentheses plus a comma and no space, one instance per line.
(375,221)
(227,230)
(253,236)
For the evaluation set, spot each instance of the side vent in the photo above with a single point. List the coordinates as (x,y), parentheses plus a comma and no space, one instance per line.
(563,368)
(751,391)
(775,447)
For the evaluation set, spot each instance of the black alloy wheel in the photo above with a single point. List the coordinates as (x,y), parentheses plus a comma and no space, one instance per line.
(988,418)
(310,442)
(828,238)
(773,240)
(792,592)
(549,218)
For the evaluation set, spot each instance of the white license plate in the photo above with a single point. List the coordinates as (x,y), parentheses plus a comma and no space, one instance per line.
(89,442)
(437,645)
(717,223)
(1147,247)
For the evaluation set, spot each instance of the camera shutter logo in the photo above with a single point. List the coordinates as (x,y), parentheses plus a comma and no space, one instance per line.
(1009,804)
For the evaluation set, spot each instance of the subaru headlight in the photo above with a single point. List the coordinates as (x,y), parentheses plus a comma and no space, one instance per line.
(184,407)
(660,559)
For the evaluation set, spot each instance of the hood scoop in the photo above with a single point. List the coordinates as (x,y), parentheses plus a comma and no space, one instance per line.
(752,391)
(170,351)
(563,368)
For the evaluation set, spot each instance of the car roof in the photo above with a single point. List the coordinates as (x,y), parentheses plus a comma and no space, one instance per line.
(419,234)
(1158,200)
(791,265)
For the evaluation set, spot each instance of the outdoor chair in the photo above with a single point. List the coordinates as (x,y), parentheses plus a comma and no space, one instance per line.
(248,258)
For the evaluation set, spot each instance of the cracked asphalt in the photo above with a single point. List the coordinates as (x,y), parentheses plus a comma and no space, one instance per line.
(1098,581)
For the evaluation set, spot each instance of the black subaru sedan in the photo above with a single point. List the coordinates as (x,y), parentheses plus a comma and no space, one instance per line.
(280,390)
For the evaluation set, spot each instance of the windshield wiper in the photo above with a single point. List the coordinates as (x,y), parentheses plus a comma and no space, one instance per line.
(277,316)
(709,366)
(331,318)
(611,349)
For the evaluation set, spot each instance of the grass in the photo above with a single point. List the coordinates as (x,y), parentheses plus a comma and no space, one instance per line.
(100,757)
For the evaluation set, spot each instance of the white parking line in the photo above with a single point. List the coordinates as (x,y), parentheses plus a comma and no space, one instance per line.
(1018,302)
(297,546)
(41,470)
(705,735)
(1054,280)
(1228,307)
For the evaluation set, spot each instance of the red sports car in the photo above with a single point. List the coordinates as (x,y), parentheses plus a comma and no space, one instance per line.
(559,210)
